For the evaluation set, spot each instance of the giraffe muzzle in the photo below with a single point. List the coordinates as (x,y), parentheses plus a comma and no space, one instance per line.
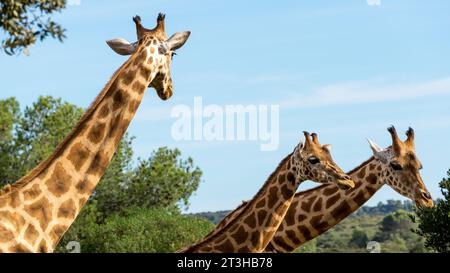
(424,200)
(345,184)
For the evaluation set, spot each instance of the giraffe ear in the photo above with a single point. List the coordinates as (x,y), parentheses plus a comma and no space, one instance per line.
(327,147)
(375,147)
(177,40)
(122,46)
(378,152)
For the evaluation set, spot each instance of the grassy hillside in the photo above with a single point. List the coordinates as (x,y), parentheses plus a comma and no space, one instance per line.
(387,226)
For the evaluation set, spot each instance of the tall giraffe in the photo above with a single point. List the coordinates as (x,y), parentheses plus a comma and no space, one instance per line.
(253,228)
(37,210)
(314,211)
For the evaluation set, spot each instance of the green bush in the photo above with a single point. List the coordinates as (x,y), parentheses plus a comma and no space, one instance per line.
(142,230)
(434,223)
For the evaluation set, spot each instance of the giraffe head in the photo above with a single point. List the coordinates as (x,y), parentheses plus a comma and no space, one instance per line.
(160,49)
(400,168)
(313,161)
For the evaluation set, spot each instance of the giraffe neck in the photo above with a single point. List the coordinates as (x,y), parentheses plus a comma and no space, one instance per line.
(38,209)
(315,211)
(251,230)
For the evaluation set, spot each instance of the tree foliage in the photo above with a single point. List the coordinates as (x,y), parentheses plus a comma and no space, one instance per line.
(28,137)
(9,115)
(28,21)
(164,180)
(140,230)
(434,223)
(359,238)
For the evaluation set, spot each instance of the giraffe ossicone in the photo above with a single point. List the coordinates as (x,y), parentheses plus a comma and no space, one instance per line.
(37,210)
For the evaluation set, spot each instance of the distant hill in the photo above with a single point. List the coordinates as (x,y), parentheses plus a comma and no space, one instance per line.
(386,224)
(380,209)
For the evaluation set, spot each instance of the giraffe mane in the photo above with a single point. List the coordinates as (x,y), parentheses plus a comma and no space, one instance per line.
(234,220)
(23,181)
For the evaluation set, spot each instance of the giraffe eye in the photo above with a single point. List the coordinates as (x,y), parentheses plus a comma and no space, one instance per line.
(313,160)
(396,166)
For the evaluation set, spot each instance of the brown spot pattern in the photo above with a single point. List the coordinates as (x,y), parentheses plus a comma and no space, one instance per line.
(261,203)
(120,98)
(19,248)
(84,186)
(97,133)
(293,237)
(104,111)
(31,234)
(57,232)
(372,178)
(6,235)
(67,209)
(286,192)
(359,198)
(318,205)
(78,155)
(32,193)
(341,211)
(99,164)
(240,236)
(273,197)
(60,181)
(43,246)
(329,191)
(225,247)
(251,220)
(261,217)
(128,77)
(41,210)
(305,232)
(332,200)
(138,87)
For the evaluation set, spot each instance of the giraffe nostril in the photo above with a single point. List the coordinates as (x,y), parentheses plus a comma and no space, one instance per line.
(426,195)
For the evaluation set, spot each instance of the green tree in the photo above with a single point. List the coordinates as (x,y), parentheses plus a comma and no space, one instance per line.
(434,223)
(9,114)
(395,234)
(27,21)
(29,137)
(397,222)
(142,230)
(359,238)
(163,180)
(39,130)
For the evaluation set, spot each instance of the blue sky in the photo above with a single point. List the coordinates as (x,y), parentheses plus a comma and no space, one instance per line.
(346,70)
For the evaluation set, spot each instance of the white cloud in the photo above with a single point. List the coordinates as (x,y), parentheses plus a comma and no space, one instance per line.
(367,92)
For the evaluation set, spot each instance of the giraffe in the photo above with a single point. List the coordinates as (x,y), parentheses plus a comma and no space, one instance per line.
(397,166)
(314,211)
(253,228)
(37,210)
